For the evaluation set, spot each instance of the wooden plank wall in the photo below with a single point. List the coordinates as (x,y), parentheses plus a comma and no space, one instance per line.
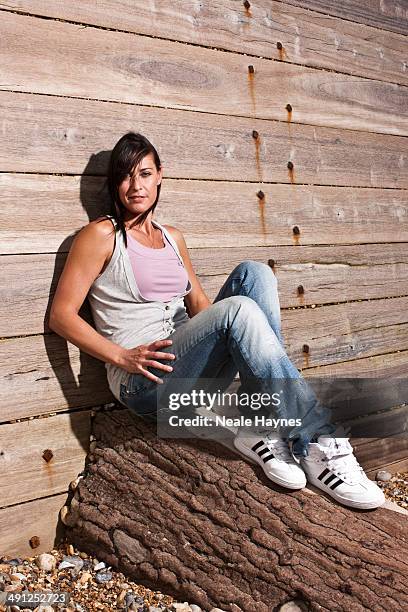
(75,76)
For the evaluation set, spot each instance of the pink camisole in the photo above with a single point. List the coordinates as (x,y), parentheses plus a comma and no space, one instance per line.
(159,274)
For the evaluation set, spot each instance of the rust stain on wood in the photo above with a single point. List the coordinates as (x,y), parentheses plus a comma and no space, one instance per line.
(306,351)
(261,199)
(282,51)
(34,542)
(289,118)
(301,295)
(47,455)
(291,169)
(247,6)
(251,85)
(257,155)
(296,234)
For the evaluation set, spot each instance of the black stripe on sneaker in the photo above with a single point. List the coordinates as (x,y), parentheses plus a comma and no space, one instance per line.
(323,474)
(329,479)
(257,445)
(336,484)
(265,459)
(263,451)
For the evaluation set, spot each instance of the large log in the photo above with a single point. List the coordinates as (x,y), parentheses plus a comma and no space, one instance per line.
(195,520)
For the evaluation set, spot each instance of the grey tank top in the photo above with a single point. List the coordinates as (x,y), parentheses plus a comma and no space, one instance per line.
(122,315)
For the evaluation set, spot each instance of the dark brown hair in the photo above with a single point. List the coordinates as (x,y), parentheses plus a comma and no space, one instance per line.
(126,154)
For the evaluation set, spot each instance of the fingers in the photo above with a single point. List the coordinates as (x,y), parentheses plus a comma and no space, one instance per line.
(153,355)
(160,344)
(157,365)
(150,376)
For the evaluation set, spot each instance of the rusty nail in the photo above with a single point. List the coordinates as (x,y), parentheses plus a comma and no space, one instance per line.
(247,4)
(271,262)
(34,542)
(279,45)
(305,348)
(290,165)
(251,69)
(300,290)
(289,108)
(296,230)
(47,455)
(260,194)
(255,134)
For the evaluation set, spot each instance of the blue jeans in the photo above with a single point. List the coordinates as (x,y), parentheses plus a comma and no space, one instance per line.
(239,332)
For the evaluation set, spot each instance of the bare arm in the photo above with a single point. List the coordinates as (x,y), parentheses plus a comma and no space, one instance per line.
(197,299)
(84,263)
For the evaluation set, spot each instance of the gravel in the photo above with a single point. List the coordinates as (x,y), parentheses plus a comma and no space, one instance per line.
(395,488)
(73,571)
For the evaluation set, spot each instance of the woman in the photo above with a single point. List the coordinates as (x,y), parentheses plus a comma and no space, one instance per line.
(156,329)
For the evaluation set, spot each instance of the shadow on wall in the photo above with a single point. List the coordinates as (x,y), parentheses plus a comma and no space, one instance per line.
(92,372)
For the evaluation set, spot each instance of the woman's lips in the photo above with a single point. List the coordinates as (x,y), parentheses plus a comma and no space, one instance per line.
(136,198)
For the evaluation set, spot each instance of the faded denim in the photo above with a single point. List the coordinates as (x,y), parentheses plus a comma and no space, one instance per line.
(240,332)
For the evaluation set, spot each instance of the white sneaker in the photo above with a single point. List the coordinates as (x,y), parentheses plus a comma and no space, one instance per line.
(332,467)
(272,453)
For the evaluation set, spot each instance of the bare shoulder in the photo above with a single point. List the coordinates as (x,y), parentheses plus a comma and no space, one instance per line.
(100,226)
(176,233)
(98,231)
(95,241)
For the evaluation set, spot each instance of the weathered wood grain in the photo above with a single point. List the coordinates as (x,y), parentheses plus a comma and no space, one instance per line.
(64,59)
(376,453)
(38,518)
(210,213)
(307,38)
(391,365)
(327,274)
(75,137)
(393,468)
(388,15)
(244,544)
(346,331)
(46,374)
(40,379)
(42,455)
(391,423)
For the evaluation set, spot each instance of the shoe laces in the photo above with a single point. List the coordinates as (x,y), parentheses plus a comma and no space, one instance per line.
(277,446)
(340,458)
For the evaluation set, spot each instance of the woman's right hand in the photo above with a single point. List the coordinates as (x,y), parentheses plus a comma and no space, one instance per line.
(137,360)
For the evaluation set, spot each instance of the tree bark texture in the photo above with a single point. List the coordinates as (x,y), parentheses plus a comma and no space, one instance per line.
(198,522)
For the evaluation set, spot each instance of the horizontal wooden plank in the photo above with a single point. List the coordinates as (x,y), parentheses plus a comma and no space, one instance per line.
(390,365)
(393,468)
(46,374)
(362,274)
(209,213)
(37,519)
(334,334)
(370,407)
(137,69)
(381,452)
(40,457)
(390,15)
(71,136)
(326,42)
(391,422)
(342,332)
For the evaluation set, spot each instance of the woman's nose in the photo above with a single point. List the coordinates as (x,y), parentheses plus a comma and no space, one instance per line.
(134,180)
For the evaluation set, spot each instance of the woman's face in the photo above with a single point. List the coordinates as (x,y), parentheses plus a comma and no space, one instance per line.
(138,190)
